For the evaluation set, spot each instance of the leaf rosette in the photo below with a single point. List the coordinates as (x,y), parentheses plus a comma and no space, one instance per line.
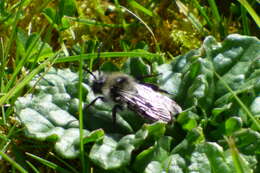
(209,83)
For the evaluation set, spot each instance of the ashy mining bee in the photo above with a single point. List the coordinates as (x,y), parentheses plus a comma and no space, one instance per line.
(145,99)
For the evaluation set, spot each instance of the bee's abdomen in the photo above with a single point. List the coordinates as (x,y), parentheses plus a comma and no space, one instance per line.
(150,104)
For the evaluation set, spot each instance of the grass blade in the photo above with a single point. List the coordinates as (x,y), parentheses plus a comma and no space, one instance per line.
(203,12)
(216,15)
(95,23)
(81,126)
(243,106)
(107,55)
(184,10)
(21,63)
(65,163)
(138,6)
(22,82)
(240,165)
(48,163)
(246,29)
(12,162)
(33,167)
(251,11)
(14,27)
(138,18)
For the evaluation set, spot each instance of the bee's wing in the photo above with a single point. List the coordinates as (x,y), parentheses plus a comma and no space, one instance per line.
(150,104)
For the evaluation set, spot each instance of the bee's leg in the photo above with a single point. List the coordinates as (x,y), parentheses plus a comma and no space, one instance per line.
(94,101)
(114,110)
(155,87)
(90,104)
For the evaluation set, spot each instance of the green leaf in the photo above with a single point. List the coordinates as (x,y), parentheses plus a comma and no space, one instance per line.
(233,60)
(67,8)
(45,115)
(155,153)
(188,120)
(110,154)
(153,167)
(138,6)
(40,51)
(248,141)
(209,157)
(199,163)
(157,158)
(56,17)
(240,162)
(65,24)
(109,67)
(192,138)
(94,136)
(51,16)
(216,112)
(255,106)
(233,124)
(174,163)
(168,79)
(138,68)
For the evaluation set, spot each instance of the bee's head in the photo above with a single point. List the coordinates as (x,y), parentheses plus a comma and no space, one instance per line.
(98,84)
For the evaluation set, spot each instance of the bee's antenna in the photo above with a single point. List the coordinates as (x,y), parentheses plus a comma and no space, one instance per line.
(91,74)
(98,56)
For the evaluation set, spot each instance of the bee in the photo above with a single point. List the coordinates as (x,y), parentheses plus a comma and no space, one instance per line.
(147,100)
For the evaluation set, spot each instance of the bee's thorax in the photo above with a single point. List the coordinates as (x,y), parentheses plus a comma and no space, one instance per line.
(115,83)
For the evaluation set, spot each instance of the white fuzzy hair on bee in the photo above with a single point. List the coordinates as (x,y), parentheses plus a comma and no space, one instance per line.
(144,99)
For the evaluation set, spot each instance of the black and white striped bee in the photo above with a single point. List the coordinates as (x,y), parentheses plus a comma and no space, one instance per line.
(147,100)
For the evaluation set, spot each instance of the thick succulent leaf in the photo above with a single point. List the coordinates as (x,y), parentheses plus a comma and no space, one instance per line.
(157,153)
(255,106)
(214,155)
(46,116)
(248,141)
(187,145)
(188,120)
(199,163)
(158,159)
(138,67)
(210,157)
(110,154)
(249,162)
(173,163)
(169,80)
(227,58)
(234,59)
(233,124)
(153,167)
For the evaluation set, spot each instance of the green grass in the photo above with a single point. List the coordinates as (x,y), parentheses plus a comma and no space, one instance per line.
(38,35)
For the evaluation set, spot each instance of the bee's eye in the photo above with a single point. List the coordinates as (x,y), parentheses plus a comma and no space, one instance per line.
(97,86)
(120,80)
